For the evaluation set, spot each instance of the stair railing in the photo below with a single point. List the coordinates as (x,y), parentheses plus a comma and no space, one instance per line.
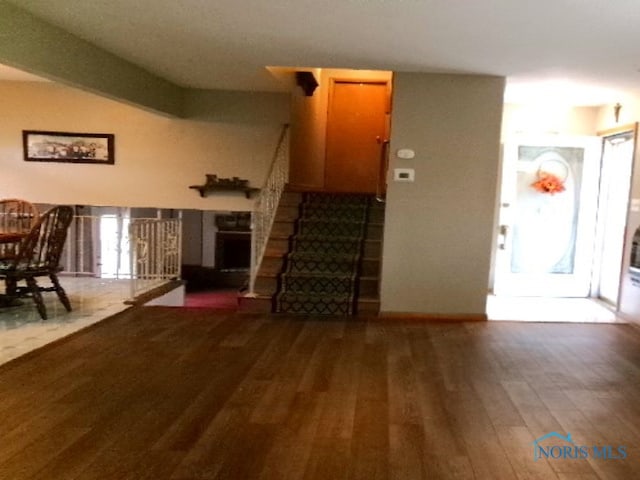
(155,252)
(266,204)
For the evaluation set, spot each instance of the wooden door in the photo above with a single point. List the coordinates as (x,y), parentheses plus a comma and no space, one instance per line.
(356,131)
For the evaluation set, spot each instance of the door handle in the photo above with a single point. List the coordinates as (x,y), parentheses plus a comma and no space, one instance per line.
(504,231)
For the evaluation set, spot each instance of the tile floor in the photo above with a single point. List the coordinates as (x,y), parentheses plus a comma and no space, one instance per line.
(92,299)
(537,309)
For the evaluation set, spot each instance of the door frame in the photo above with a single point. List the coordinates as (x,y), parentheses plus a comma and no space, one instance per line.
(631,128)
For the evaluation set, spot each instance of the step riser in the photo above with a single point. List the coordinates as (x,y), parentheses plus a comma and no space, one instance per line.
(254,305)
(291,198)
(271,265)
(372,249)
(282,228)
(368,308)
(376,216)
(374,231)
(370,267)
(287,213)
(266,285)
(277,246)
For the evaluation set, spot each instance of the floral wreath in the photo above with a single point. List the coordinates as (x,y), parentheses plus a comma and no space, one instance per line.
(550,182)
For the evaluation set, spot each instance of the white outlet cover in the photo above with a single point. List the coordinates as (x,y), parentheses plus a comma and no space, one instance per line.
(405,153)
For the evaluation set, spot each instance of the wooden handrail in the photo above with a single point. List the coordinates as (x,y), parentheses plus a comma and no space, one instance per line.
(283,135)
(382,171)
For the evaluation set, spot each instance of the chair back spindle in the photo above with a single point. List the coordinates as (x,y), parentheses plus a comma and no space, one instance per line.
(39,255)
(16,217)
(42,248)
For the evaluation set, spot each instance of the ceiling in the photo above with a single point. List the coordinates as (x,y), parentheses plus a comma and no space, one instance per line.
(579,51)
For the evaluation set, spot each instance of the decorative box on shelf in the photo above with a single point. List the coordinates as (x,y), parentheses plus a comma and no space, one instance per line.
(215,184)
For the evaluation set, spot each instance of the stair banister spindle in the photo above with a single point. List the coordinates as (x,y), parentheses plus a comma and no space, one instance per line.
(266,204)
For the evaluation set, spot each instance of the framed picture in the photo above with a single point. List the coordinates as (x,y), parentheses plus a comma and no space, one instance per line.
(40,146)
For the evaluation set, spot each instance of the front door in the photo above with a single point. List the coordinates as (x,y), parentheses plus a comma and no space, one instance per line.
(547,216)
(356,132)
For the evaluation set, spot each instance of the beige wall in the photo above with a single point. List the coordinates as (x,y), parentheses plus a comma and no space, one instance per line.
(438,230)
(156,158)
(309,125)
(629,114)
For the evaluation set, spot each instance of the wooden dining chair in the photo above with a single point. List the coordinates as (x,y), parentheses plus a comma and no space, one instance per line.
(16,217)
(38,255)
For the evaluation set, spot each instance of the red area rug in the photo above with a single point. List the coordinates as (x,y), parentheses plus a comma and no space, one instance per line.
(218,299)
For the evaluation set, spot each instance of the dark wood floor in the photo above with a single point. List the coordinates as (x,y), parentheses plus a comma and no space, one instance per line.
(184,394)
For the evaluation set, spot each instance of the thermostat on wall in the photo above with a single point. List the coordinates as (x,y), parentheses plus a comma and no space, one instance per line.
(404,174)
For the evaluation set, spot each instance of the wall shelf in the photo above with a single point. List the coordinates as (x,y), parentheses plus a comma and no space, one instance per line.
(215,184)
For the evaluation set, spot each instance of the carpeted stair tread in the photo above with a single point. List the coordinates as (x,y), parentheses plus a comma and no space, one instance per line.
(321,213)
(320,273)
(302,264)
(317,304)
(336,257)
(337,198)
(324,245)
(330,228)
(318,284)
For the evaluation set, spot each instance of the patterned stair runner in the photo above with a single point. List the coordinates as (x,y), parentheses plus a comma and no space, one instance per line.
(320,273)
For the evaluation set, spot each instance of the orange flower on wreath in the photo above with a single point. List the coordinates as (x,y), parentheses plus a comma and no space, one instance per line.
(548,183)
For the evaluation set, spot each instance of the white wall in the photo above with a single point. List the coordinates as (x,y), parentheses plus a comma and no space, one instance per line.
(548,119)
(438,230)
(156,158)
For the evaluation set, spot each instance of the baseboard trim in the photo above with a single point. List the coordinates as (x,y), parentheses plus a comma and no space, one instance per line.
(434,317)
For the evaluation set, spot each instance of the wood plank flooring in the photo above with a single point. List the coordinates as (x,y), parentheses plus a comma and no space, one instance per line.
(187,394)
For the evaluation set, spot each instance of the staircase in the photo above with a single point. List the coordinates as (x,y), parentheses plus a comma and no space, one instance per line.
(322,258)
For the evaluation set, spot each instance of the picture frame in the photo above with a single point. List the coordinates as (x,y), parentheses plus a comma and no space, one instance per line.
(67,147)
